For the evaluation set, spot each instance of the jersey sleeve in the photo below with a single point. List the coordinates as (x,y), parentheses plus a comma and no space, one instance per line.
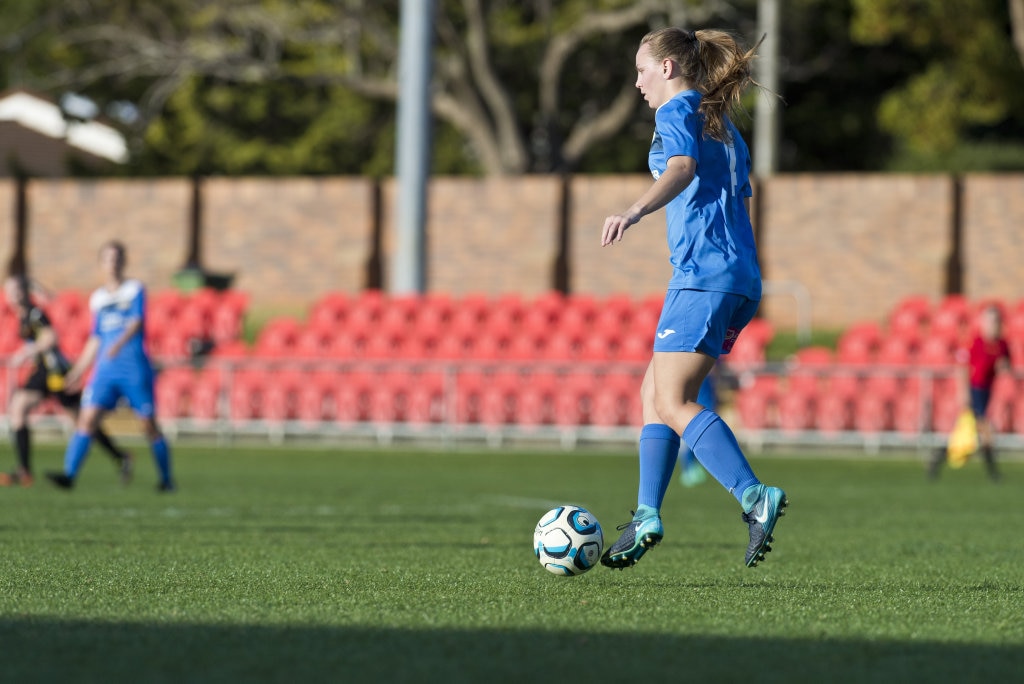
(680,129)
(138,305)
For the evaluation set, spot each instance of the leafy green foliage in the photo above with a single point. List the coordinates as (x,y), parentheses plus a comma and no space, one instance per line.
(971,77)
(274,87)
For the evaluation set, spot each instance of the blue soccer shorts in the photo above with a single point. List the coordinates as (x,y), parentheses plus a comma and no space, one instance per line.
(701,321)
(106,392)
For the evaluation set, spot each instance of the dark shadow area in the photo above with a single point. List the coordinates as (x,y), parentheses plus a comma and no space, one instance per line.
(50,650)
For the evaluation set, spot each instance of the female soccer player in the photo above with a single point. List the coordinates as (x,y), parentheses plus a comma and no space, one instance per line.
(693,80)
(122,368)
(45,380)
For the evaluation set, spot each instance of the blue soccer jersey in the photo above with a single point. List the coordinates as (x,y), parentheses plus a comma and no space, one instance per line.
(710,237)
(113,312)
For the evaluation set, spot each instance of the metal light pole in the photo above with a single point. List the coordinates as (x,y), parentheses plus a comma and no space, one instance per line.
(412,153)
(766,114)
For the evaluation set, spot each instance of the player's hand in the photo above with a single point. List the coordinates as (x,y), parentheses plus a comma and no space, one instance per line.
(615,226)
(72,382)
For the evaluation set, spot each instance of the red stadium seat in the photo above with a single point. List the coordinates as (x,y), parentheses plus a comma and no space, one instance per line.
(833,413)
(599,347)
(858,344)
(637,346)
(225,324)
(497,398)
(425,398)
(613,405)
(245,394)
(910,317)
(1017,414)
(936,351)
(872,413)
(534,399)
(173,387)
(573,399)
(614,317)
(280,392)
(908,415)
(489,346)
(525,347)
(949,323)
(897,351)
(761,329)
(468,387)
(883,384)
(278,338)
(314,398)
(946,407)
(755,408)
(206,395)
(387,396)
(796,411)
(312,343)
(351,392)
(748,350)
(807,370)
(538,321)
(561,346)
(843,384)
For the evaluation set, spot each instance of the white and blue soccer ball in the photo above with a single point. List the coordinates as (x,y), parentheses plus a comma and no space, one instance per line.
(568,540)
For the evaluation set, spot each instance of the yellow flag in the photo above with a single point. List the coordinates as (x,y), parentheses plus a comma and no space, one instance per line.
(963,441)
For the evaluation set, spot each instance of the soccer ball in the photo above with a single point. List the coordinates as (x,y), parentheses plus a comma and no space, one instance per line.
(568,540)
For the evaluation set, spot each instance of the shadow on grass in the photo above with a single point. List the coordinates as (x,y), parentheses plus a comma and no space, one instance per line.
(42,650)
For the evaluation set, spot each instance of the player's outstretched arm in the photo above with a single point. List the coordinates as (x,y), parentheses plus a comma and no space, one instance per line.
(678,174)
(83,362)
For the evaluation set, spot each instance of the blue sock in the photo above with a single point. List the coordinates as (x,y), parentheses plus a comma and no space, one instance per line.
(659,449)
(714,445)
(75,453)
(162,456)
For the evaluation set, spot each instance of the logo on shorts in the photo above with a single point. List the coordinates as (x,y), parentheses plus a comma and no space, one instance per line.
(665,333)
(730,339)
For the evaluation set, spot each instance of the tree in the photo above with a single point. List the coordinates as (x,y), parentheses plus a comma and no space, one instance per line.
(970,79)
(207,62)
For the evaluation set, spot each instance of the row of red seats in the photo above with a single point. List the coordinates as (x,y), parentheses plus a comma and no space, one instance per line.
(501,396)
(552,327)
(918,333)
(875,401)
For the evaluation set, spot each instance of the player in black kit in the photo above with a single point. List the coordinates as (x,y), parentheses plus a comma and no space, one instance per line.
(45,380)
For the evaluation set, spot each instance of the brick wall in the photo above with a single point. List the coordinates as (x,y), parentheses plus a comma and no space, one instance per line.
(68,221)
(489,235)
(993,236)
(639,263)
(857,243)
(288,240)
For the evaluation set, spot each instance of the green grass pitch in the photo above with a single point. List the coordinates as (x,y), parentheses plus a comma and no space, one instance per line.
(309,564)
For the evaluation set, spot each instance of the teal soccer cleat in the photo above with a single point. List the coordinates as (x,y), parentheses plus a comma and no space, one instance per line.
(762,517)
(637,537)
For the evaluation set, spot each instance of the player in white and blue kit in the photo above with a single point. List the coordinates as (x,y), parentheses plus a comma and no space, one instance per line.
(122,368)
(700,163)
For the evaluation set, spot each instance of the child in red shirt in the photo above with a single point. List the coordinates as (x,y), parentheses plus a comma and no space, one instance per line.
(988,354)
